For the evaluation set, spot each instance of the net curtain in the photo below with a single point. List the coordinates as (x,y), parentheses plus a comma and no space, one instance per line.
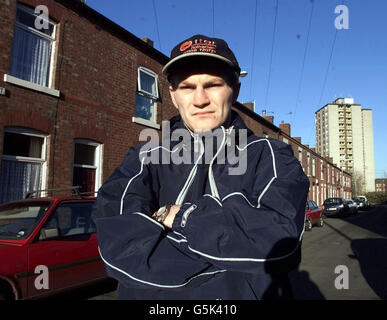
(30,57)
(17,178)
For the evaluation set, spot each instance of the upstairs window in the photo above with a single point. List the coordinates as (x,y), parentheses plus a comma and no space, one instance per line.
(33,47)
(147,83)
(147,95)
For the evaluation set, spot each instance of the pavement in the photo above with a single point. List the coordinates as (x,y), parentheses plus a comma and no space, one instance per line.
(356,245)
(346,259)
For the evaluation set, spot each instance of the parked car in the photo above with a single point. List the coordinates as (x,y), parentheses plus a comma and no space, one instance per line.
(362,202)
(352,206)
(335,207)
(313,215)
(55,234)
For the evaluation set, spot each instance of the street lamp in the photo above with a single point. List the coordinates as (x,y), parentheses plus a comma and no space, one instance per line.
(242,74)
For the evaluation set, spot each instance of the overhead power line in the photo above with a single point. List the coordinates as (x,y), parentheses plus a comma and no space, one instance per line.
(271,53)
(303,62)
(329,63)
(157,24)
(253,53)
(326,72)
(213,18)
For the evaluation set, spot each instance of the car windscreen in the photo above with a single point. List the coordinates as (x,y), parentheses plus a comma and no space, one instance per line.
(19,219)
(332,201)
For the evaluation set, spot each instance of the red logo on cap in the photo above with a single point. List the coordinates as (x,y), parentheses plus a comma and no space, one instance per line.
(185,45)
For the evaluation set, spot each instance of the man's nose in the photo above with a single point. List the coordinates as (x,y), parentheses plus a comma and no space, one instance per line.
(200,98)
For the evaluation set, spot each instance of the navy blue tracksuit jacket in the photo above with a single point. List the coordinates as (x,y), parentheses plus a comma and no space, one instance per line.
(236,236)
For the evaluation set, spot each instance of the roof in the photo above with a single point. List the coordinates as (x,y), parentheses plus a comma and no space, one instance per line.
(116,30)
(338,104)
(239,106)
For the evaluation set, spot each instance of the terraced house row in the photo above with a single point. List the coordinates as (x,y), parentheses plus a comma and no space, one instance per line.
(75,95)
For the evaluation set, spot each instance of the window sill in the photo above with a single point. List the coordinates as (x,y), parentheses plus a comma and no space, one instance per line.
(31,85)
(145,122)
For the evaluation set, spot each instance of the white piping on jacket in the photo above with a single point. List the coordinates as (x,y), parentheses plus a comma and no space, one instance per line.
(274,168)
(212,197)
(159,147)
(250,259)
(139,173)
(179,234)
(127,186)
(176,240)
(150,219)
(156,284)
(238,194)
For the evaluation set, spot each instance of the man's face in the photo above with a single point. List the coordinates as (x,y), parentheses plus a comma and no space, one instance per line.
(203,99)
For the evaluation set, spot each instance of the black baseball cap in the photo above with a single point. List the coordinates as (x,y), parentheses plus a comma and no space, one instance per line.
(202,46)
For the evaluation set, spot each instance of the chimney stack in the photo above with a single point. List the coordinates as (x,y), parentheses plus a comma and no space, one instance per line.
(285,127)
(148,41)
(268,118)
(249,105)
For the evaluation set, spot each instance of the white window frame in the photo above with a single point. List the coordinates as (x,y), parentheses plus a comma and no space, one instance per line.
(313,167)
(24,83)
(153,121)
(149,73)
(97,161)
(42,161)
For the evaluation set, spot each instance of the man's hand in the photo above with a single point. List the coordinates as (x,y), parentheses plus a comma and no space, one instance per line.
(171,215)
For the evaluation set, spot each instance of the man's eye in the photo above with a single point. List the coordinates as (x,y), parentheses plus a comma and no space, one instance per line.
(185,87)
(215,85)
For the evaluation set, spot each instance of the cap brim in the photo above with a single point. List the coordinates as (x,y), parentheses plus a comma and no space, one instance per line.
(195,54)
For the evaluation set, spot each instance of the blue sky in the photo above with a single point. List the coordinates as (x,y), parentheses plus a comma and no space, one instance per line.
(294,75)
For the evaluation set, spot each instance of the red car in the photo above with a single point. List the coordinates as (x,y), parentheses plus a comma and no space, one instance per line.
(313,215)
(47,245)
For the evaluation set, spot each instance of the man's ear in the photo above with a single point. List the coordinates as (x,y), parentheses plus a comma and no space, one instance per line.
(235,92)
(172,94)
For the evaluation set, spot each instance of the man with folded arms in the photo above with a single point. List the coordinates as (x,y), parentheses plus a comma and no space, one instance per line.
(200,230)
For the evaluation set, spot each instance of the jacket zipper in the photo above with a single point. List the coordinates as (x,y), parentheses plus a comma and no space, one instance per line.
(191,176)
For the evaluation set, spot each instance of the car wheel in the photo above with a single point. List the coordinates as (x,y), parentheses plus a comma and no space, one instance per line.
(308,225)
(320,222)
